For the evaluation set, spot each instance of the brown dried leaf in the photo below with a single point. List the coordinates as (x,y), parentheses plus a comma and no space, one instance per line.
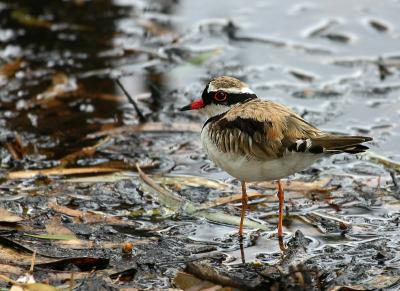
(54,227)
(193,181)
(84,152)
(61,84)
(8,70)
(60,172)
(16,257)
(16,148)
(187,281)
(65,210)
(149,127)
(88,217)
(155,28)
(11,270)
(6,216)
(299,186)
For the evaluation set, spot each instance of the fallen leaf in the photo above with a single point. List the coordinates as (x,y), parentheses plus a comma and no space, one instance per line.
(84,152)
(83,263)
(149,127)
(61,84)
(299,186)
(176,203)
(59,171)
(6,216)
(55,228)
(378,25)
(11,269)
(28,20)
(89,217)
(194,181)
(187,281)
(8,70)
(200,58)
(381,160)
(66,210)
(52,236)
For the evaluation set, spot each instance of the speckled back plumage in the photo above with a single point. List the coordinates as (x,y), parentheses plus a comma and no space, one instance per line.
(260,129)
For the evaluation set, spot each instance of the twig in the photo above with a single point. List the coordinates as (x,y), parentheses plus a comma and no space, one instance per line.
(229,199)
(58,171)
(132,101)
(32,262)
(378,159)
(169,199)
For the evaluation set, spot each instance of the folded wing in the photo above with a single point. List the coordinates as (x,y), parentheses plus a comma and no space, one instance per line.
(267,130)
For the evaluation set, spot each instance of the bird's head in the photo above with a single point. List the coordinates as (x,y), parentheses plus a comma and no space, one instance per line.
(220,94)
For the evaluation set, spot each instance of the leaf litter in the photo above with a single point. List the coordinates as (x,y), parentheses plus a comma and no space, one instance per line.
(71,191)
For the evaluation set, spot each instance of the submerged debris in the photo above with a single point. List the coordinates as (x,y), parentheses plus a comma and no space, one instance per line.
(107,196)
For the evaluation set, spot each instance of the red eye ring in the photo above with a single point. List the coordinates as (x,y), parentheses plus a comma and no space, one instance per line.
(220,96)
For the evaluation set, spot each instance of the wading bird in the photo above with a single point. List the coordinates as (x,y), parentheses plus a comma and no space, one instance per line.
(259,140)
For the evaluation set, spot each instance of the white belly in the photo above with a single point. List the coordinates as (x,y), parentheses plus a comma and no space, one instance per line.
(250,170)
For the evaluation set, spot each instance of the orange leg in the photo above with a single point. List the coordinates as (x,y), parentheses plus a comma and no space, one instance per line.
(281,201)
(244,207)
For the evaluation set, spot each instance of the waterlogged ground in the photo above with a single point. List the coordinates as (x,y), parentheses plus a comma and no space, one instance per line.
(73,202)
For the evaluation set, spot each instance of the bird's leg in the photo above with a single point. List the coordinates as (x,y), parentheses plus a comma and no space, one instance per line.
(244,207)
(281,201)
(242,250)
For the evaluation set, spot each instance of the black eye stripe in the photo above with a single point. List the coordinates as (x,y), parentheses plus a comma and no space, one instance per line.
(232,98)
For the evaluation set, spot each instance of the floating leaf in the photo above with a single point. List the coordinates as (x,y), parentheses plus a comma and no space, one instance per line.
(52,236)
(379,25)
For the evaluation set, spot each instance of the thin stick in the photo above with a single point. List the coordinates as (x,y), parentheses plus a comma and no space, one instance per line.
(132,101)
(32,262)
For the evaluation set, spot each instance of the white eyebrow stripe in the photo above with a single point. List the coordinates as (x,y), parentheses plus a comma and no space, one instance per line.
(234,90)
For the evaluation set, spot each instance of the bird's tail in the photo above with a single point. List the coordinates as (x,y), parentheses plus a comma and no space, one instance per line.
(341,143)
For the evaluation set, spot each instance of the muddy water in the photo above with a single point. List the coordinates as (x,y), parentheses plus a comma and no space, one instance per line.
(319,57)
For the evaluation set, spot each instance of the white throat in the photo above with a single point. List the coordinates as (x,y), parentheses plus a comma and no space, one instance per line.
(214,109)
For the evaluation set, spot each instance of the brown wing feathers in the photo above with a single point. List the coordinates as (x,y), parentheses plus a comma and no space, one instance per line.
(266,130)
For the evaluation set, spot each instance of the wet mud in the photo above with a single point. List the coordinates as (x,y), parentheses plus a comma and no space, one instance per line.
(96,198)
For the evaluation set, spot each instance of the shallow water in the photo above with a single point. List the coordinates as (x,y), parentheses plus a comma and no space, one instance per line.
(319,57)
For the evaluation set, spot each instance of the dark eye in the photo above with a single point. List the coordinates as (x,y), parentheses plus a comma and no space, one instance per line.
(220,96)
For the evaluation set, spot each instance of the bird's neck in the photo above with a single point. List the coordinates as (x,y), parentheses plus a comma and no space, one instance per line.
(215,109)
